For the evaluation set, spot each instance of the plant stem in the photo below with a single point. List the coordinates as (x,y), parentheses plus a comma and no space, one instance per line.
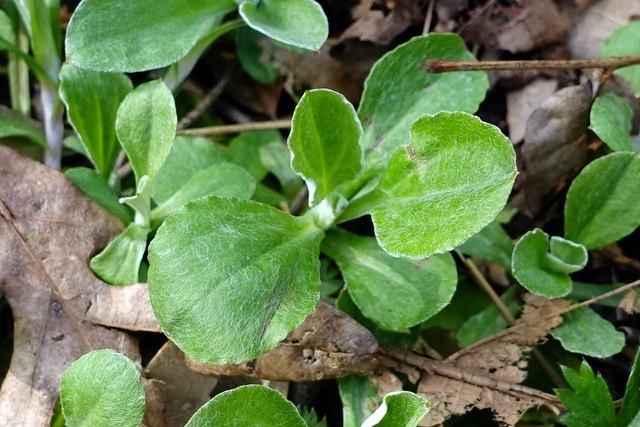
(440,66)
(53,125)
(236,128)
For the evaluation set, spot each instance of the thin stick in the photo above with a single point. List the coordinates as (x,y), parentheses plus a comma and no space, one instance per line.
(206,102)
(236,128)
(428,18)
(440,66)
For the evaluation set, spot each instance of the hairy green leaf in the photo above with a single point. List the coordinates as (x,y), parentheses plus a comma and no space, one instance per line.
(119,263)
(566,256)
(584,331)
(611,120)
(399,409)
(625,41)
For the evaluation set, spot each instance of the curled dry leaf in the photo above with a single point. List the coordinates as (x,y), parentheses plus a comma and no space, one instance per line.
(154,403)
(49,230)
(328,344)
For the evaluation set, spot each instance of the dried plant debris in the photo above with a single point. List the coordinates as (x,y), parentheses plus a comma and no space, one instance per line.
(49,230)
(328,344)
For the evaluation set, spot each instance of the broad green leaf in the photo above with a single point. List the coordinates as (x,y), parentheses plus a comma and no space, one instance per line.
(248,405)
(566,256)
(491,243)
(102,388)
(146,127)
(325,142)
(249,49)
(611,120)
(130,36)
(92,100)
(468,301)
(600,208)
(119,263)
(246,150)
(387,110)
(531,268)
(91,183)
(584,331)
(222,179)
(631,400)
(449,183)
(399,409)
(625,41)
(299,23)
(229,278)
(396,293)
(589,400)
(12,124)
(359,397)
(188,157)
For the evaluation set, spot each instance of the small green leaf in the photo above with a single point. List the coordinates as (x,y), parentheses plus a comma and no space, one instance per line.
(299,23)
(530,266)
(491,243)
(119,263)
(631,400)
(387,110)
(13,124)
(149,36)
(90,182)
(248,405)
(599,209)
(276,157)
(584,331)
(589,400)
(325,142)
(229,278)
(250,49)
(102,388)
(566,256)
(359,398)
(449,183)
(396,293)
(92,100)
(399,409)
(625,41)
(146,126)
(246,148)
(611,120)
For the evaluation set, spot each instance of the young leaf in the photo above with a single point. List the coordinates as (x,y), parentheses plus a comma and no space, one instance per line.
(229,278)
(566,256)
(248,405)
(359,398)
(396,293)
(399,409)
(150,37)
(246,148)
(146,126)
(584,331)
(325,142)
(299,23)
(14,124)
(589,400)
(249,53)
(92,100)
(450,182)
(531,268)
(276,157)
(625,41)
(631,400)
(119,263)
(611,120)
(598,210)
(387,111)
(102,388)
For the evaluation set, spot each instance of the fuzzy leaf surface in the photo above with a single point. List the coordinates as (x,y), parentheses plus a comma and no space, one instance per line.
(584,331)
(119,263)
(611,120)
(229,278)
(625,41)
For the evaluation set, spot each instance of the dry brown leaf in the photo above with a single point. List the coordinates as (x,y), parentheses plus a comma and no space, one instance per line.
(522,102)
(328,344)
(154,403)
(630,302)
(49,230)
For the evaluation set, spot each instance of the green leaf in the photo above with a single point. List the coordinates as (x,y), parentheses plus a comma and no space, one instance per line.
(625,41)
(399,409)
(248,405)
(299,23)
(90,182)
(531,268)
(396,293)
(13,124)
(449,183)
(250,49)
(130,36)
(102,388)
(611,120)
(388,110)
(359,397)
(146,126)
(246,150)
(631,400)
(276,157)
(92,100)
(589,400)
(229,278)
(491,243)
(584,331)
(222,179)
(119,263)
(599,209)
(566,256)
(325,142)
(188,157)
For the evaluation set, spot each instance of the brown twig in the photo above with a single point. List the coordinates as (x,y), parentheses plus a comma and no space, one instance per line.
(236,128)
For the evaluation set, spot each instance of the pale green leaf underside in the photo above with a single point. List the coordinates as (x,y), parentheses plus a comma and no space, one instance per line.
(299,23)
(450,182)
(325,142)
(102,388)
(625,41)
(130,36)
(611,121)
(599,209)
(229,278)
(584,331)
(248,405)
(399,409)
(396,293)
